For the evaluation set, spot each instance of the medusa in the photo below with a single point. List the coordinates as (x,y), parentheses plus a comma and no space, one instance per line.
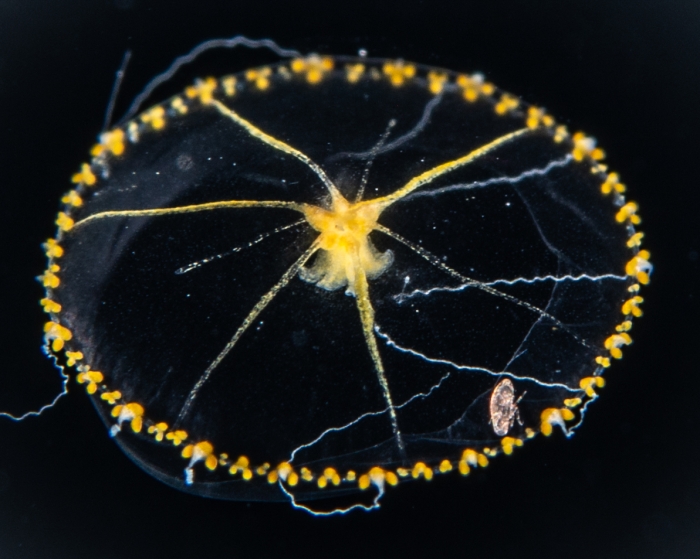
(329,275)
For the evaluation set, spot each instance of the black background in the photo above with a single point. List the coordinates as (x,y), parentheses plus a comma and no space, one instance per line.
(626,485)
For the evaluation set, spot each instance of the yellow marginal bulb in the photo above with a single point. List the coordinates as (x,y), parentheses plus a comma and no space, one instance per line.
(306,474)
(628,212)
(354,72)
(176,437)
(64,222)
(436,82)
(158,430)
(155,117)
(398,71)
(345,247)
(615,342)
(612,183)
(330,475)
(50,279)
(473,86)
(603,361)
(553,416)
(72,357)
(589,384)
(72,199)
(201,452)
(260,77)
(53,249)
(631,306)
(132,131)
(471,459)
(584,146)
(421,469)
(229,84)
(314,67)
(537,117)
(508,443)
(506,103)
(85,176)
(91,379)
(378,477)
(639,266)
(179,105)
(286,473)
(132,413)
(111,397)
(202,89)
(242,466)
(56,334)
(112,141)
(573,402)
(50,306)
(635,240)
(560,133)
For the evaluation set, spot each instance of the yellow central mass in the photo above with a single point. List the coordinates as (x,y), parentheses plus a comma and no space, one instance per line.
(345,249)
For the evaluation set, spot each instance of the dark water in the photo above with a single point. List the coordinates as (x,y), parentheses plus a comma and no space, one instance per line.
(626,485)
